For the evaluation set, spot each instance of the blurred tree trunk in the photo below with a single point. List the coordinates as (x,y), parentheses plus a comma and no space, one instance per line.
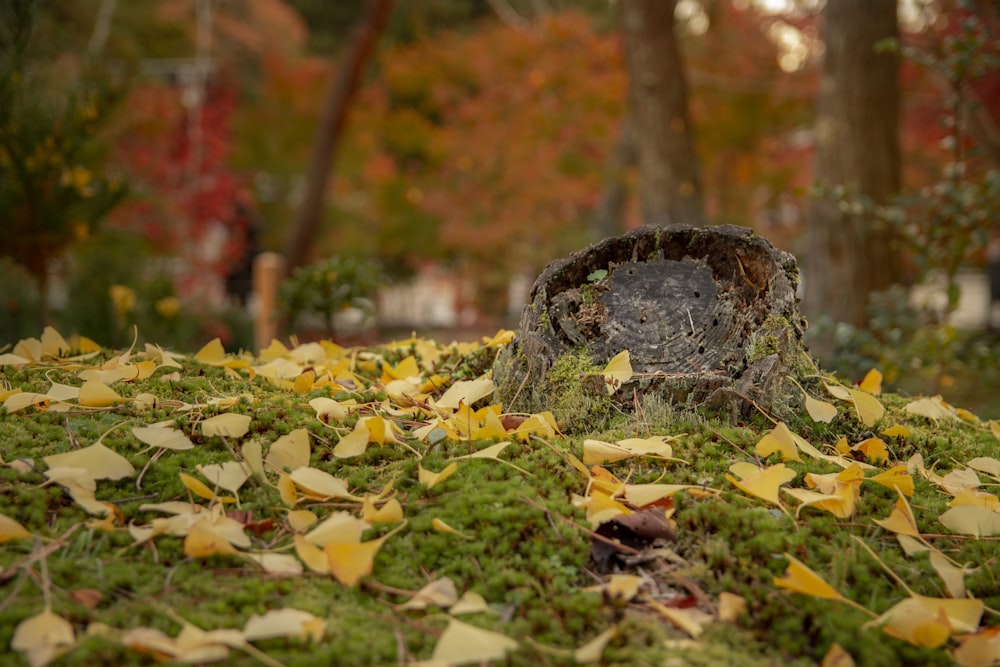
(669,173)
(609,212)
(307,225)
(850,256)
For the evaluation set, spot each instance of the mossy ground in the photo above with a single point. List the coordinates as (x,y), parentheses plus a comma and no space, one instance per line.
(523,554)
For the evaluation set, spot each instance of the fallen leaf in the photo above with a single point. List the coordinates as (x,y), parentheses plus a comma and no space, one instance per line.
(836,656)
(462,644)
(872,382)
(901,520)
(470,603)
(761,483)
(203,539)
(820,411)
(439,593)
(162,437)
(779,439)
(227,425)
(800,579)
(731,606)
(617,372)
(287,622)
(431,479)
(290,451)
(981,649)
(973,520)
(466,392)
(11,529)
(95,394)
(99,462)
(442,527)
(43,638)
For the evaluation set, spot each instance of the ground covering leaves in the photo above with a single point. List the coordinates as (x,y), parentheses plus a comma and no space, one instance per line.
(316,504)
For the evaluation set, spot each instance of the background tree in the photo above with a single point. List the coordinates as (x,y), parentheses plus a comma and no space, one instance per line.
(669,174)
(848,254)
(55,187)
(338,102)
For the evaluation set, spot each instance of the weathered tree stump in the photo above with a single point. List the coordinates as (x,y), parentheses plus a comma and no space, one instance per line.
(709,316)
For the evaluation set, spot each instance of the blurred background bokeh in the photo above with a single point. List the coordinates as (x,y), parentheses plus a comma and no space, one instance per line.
(418,163)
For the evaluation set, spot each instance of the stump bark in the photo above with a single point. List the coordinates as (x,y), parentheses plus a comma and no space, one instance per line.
(709,316)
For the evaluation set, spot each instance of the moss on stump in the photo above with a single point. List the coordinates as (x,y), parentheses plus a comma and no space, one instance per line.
(709,316)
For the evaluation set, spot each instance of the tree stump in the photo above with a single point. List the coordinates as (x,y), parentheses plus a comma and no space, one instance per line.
(709,317)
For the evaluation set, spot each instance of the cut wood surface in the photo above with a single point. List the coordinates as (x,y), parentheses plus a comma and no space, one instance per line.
(699,310)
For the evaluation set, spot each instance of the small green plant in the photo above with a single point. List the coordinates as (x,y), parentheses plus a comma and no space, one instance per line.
(329,287)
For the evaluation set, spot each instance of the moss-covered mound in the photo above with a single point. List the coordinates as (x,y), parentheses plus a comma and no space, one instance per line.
(290,507)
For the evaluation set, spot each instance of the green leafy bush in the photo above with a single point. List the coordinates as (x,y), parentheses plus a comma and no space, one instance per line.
(329,287)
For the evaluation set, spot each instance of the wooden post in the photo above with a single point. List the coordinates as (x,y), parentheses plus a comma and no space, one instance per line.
(268,271)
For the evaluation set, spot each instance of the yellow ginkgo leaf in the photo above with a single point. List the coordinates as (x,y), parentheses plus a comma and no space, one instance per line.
(901,520)
(99,462)
(779,439)
(872,382)
(289,623)
(328,410)
(622,587)
(349,562)
(800,579)
(933,408)
(895,478)
(867,406)
(952,575)
(466,392)
(290,451)
(338,527)
(354,443)
(874,449)
(230,475)
(199,488)
(840,503)
(914,622)
(162,437)
(764,483)
(431,479)
(310,554)
(820,411)
(273,563)
(442,527)
(253,456)
(95,394)
(974,520)
(462,644)
(43,638)
(617,372)
(640,495)
(731,606)
(53,344)
(439,593)
(203,539)
(470,603)
(492,453)
(211,353)
(320,485)
(389,512)
(690,620)
(896,431)
(836,656)
(228,425)
(978,649)
(985,464)
(11,529)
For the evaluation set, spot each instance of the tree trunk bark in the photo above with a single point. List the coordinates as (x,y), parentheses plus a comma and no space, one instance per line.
(669,173)
(366,33)
(849,255)
(608,214)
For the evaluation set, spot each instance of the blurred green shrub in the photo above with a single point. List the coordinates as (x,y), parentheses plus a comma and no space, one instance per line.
(916,353)
(20,313)
(329,287)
